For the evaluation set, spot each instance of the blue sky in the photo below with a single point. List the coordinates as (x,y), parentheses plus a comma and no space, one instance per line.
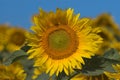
(19,12)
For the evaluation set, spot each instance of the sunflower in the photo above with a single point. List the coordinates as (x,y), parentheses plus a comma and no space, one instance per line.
(60,40)
(12,72)
(106,20)
(16,38)
(115,75)
(108,41)
(116,46)
(11,38)
(109,31)
(3,39)
(86,77)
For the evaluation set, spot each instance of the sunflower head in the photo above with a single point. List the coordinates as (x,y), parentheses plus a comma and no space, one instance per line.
(109,31)
(107,21)
(12,72)
(108,41)
(60,39)
(3,30)
(104,19)
(16,38)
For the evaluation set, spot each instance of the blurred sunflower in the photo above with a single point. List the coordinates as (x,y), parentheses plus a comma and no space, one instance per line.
(115,75)
(116,45)
(85,77)
(108,41)
(105,20)
(110,31)
(16,38)
(60,40)
(12,72)
(3,39)
(11,38)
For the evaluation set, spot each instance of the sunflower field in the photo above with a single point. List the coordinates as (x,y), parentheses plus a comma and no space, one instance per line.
(61,45)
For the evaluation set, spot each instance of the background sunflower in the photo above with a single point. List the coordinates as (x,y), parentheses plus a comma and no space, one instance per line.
(12,72)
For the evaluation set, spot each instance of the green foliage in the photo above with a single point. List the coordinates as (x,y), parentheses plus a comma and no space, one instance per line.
(94,66)
(21,56)
(4,55)
(43,76)
(112,54)
(111,57)
(15,56)
(28,66)
(98,64)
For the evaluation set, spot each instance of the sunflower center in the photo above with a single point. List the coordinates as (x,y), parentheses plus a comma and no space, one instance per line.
(18,38)
(59,42)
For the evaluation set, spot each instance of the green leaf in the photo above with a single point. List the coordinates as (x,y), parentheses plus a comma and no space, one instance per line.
(43,76)
(19,54)
(4,55)
(92,66)
(28,67)
(107,66)
(25,48)
(98,64)
(112,54)
(111,57)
